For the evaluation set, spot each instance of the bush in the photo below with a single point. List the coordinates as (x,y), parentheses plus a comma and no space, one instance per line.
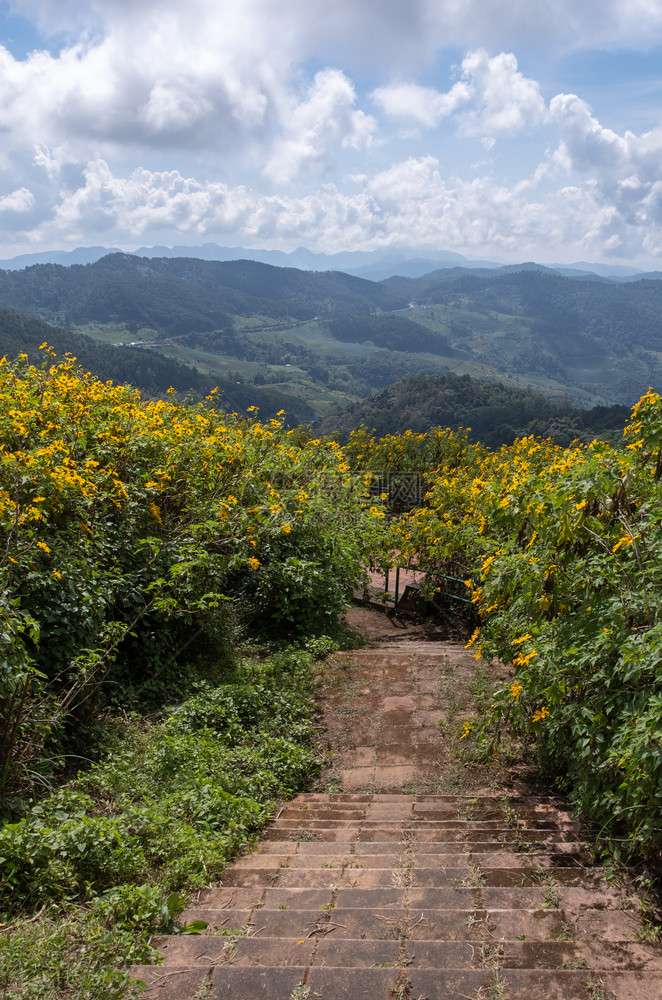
(133,534)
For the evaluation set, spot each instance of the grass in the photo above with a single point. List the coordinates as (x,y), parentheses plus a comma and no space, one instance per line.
(300,992)
(99,865)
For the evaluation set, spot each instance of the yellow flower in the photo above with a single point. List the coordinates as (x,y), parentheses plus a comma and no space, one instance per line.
(58,576)
(473,639)
(286,529)
(625,540)
(43,547)
(516,690)
(254,563)
(522,660)
(467,729)
(522,638)
(542,713)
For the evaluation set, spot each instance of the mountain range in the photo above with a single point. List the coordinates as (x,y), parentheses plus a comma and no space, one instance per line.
(375,264)
(311,341)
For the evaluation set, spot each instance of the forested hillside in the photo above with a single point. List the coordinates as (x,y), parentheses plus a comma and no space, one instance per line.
(183,295)
(492,412)
(148,370)
(327,339)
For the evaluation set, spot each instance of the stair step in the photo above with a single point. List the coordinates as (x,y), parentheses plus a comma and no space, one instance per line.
(516,844)
(415,953)
(572,898)
(414,826)
(333,983)
(416,834)
(390,896)
(320,878)
(390,921)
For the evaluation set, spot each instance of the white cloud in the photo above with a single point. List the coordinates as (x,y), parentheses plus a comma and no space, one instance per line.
(425,105)
(212,71)
(624,173)
(21,200)
(223,90)
(409,203)
(381,32)
(324,119)
(504,101)
(493,98)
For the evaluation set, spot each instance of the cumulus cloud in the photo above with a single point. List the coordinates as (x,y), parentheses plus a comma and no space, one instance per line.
(159,73)
(492,98)
(382,32)
(623,171)
(410,202)
(225,92)
(326,117)
(423,105)
(21,200)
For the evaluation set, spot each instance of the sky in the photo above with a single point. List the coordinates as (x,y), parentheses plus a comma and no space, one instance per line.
(506,129)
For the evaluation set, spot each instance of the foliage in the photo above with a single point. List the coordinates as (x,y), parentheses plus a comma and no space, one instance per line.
(312,340)
(493,413)
(562,553)
(134,532)
(164,811)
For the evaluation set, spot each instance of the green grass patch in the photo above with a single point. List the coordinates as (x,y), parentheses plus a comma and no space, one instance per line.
(103,860)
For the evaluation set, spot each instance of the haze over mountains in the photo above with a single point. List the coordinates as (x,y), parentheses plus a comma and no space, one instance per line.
(376,265)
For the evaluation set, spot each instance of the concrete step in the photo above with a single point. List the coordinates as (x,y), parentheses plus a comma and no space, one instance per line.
(333,983)
(415,952)
(392,896)
(390,921)
(320,878)
(461,897)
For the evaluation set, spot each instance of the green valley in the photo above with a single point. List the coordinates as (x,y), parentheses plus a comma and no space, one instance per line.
(309,342)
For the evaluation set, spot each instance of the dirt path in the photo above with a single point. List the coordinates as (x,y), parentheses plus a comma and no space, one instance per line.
(394,714)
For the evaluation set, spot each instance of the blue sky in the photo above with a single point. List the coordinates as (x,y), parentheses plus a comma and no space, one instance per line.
(509,129)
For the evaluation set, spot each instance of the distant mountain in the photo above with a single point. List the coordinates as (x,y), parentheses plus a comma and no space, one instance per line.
(375,265)
(496,414)
(82,255)
(326,338)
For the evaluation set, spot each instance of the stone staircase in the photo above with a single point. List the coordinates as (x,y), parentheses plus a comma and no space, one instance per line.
(413,897)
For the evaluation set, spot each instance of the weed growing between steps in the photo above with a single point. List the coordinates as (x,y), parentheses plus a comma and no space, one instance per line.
(96,867)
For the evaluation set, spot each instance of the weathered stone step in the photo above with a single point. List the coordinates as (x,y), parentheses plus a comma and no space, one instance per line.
(401,858)
(406,826)
(471,953)
(348,833)
(320,878)
(416,812)
(333,983)
(419,922)
(555,843)
(383,897)
(460,897)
